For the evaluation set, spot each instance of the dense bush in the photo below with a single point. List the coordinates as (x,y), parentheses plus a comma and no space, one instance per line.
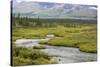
(19,61)
(29,56)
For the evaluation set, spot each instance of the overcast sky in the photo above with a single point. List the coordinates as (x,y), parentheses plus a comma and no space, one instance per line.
(90,2)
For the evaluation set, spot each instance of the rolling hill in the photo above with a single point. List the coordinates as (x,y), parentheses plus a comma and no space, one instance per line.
(54,10)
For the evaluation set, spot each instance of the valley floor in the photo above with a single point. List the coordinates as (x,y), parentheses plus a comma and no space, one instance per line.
(81,37)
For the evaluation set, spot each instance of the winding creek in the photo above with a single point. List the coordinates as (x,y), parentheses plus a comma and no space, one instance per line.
(63,54)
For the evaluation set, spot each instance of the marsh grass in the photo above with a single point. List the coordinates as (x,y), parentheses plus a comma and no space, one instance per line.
(92,48)
(39,47)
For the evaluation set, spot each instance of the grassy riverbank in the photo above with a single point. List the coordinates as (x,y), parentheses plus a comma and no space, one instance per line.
(83,38)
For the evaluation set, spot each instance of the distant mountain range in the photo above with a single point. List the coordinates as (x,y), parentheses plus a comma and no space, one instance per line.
(54,10)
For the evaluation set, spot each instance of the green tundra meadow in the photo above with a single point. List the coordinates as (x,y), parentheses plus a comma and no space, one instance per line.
(81,34)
